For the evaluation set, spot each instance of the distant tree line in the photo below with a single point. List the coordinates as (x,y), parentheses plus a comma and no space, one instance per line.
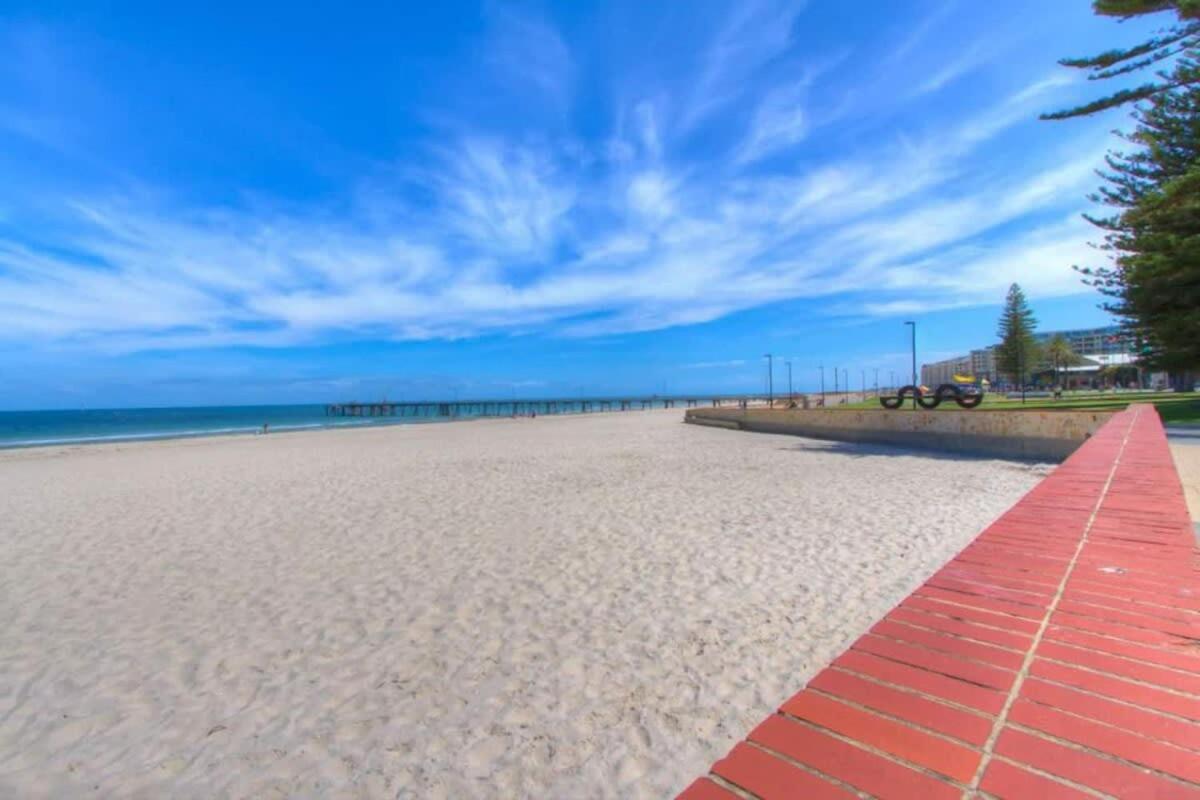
(1153,188)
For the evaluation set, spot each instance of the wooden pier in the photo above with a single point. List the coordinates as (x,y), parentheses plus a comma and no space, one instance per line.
(525,408)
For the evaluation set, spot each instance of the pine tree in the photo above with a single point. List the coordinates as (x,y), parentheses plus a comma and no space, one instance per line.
(1018,350)
(1159,259)
(1153,189)
(1180,39)
(1154,235)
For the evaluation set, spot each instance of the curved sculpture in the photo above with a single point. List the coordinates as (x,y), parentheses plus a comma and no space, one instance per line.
(931,400)
(900,396)
(969,400)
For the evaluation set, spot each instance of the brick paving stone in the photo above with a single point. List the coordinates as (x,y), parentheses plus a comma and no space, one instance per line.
(910,705)
(770,777)
(1092,582)
(1005,780)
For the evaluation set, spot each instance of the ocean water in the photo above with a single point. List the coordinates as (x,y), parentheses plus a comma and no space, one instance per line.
(39,428)
(34,428)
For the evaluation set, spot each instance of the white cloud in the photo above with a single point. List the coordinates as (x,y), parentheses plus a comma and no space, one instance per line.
(650,195)
(648,130)
(531,53)
(779,123)
(978,273)
(756,32)
(967,62)
(918,33)
(504,199)
(890,237)
(519,234)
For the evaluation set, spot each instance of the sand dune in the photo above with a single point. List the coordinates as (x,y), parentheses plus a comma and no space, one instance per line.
(561,607)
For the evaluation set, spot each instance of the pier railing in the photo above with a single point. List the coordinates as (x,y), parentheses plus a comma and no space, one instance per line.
(509,408)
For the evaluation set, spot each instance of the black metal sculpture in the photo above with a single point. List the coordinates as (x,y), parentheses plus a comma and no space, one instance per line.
(965,396)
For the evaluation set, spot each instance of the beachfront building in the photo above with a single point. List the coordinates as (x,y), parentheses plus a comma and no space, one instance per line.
(1107,341)
(983,364)
(1099,348)
(940,372)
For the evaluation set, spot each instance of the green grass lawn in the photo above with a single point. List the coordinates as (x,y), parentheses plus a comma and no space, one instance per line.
(1173,408)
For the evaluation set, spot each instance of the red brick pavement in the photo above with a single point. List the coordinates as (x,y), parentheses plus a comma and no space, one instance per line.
(1058,655)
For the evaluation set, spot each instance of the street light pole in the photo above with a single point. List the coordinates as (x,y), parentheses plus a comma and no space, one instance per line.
(770,379)
(877,381)
(914,361)
(790,392)
(835,381)
(822,368)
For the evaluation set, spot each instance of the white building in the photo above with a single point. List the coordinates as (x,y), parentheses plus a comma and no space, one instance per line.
(944,371)
(1100,347)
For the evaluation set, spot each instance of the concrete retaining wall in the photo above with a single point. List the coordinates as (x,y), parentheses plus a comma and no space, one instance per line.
(1040,435)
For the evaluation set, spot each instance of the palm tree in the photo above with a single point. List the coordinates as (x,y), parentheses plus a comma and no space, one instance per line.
(1061,354)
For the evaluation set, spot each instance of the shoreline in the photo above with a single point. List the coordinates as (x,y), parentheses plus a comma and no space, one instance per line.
(368,423)
(155,439)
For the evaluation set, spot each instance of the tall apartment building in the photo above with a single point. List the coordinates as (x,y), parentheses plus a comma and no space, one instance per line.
(1108,342)
(944,371)
(983,364)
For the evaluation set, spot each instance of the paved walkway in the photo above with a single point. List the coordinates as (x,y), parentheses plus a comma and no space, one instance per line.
(1057,656)
(1185,448)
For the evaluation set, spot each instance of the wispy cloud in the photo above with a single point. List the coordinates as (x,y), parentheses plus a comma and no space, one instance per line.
(641,228)
(751,36)
(504,199)
(530,53)
(780,121)
(917,34)
(783,117)
(964,64)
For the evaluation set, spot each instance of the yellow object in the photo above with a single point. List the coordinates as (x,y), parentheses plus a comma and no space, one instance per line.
(964,378)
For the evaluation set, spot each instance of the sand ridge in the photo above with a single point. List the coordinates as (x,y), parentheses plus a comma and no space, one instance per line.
(594,606)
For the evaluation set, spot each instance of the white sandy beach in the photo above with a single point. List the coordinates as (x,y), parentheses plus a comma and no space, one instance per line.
(583,607)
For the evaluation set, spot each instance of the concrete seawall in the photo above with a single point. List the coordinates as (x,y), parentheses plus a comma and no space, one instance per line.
(1040,435)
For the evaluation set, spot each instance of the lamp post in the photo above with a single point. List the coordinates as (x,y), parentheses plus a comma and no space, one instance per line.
(914,361)
(877,381)
(790,392)
(770,379)
(835,381)
(822,368)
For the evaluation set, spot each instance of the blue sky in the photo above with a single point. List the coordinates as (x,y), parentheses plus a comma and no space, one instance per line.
(245,203)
